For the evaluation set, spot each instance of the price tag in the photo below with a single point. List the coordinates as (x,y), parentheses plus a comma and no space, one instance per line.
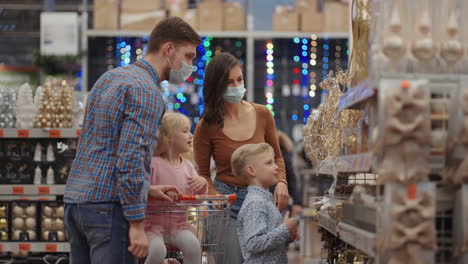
(55,133)
(17,190)
(1,247)
(411,191)
(51,248)
(2,134)
(43,199)
(23,133)
(24,247)
(78,132)
(43,190)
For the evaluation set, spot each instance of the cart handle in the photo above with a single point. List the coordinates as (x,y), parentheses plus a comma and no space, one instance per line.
(217,197)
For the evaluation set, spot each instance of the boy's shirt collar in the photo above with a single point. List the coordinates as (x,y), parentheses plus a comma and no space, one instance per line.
(265,193)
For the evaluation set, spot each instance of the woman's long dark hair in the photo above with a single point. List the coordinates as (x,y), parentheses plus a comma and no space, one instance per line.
(215,85)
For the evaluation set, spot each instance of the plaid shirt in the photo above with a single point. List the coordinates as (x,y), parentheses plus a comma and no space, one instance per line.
(117,141)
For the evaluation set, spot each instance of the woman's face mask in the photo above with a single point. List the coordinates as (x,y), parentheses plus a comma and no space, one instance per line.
(234,94)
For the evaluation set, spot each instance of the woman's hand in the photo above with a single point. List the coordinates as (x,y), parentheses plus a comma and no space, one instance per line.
(281,196)
(197,183)
(161,192)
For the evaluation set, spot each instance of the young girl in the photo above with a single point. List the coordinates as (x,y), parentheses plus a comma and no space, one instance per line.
(169,167)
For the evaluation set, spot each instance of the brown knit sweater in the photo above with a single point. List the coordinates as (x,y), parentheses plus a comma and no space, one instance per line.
(209,141)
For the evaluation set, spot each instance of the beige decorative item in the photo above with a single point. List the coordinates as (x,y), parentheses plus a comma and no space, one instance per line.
(424,49)
(406,130)
(394,46)
(323,133)
(360,31)
(460,174)
(56,105)
(452,49)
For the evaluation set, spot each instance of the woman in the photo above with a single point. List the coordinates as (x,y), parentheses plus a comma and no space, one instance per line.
(227,123)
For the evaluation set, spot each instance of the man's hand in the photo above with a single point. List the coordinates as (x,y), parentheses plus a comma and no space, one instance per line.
(281,196)
(138,240)
(160,192)
(197,183)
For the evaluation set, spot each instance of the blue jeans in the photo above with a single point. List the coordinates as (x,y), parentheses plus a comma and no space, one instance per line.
(98,234)
(232,250)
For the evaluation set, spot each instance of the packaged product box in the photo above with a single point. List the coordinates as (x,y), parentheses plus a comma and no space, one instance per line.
(285,18)
(311,15)
(140,5)
(211,16)
(176,5)
(234,17)
(106,14)
(336,17)
(188,15)
(141,20)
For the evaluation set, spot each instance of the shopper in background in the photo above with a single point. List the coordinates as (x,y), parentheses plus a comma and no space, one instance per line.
(169,167)
(109,182)
(263,235)
(287,147)
(227,123)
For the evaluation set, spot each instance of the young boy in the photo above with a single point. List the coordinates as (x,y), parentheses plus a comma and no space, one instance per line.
(263,235)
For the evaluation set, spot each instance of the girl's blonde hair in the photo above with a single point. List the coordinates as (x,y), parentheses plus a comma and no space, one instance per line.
(170,124)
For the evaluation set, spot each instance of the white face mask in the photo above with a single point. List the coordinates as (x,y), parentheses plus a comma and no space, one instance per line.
(234,94)
(179,76)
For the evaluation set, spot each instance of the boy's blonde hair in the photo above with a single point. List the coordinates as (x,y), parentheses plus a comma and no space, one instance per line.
(245,155)
(170,124)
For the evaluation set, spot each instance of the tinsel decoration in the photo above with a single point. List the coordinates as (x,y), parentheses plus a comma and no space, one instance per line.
(55,106)
(25,110)
(323,133)
(7,107)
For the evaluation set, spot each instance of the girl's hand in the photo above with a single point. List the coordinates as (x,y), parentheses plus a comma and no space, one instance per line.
(160,191)
(197,183)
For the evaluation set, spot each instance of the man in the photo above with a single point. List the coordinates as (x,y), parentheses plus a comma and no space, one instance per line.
(108,185)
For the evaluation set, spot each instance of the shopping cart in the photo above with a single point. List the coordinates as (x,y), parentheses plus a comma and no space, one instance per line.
(206,219)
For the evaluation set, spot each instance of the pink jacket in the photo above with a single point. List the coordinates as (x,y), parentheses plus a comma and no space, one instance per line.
(164,217)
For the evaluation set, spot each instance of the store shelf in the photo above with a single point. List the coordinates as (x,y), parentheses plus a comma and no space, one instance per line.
(356,163)
(40,133)
(357,94)
(35,246)
(440,117)
(358,238)
(30,189)
(221,34)
(28,197)
(325,221)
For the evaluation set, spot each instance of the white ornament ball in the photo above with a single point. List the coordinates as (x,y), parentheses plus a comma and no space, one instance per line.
(32,235)
(47,224)
(30,223)
(31,210)
(60,235)
(18,223)
(16,234)
(18,210)
(60,211)
(45,235)
(58,223)
(47,211)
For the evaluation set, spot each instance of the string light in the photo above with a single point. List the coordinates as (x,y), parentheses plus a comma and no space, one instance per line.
(270,76)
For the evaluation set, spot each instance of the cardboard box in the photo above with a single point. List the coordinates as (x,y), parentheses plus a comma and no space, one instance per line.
(106,14)
(336,17)
(234,17)
(176,5)
(211,16)
(188,15)
(312,17)
(285,18)
(141,20)
(130,6)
